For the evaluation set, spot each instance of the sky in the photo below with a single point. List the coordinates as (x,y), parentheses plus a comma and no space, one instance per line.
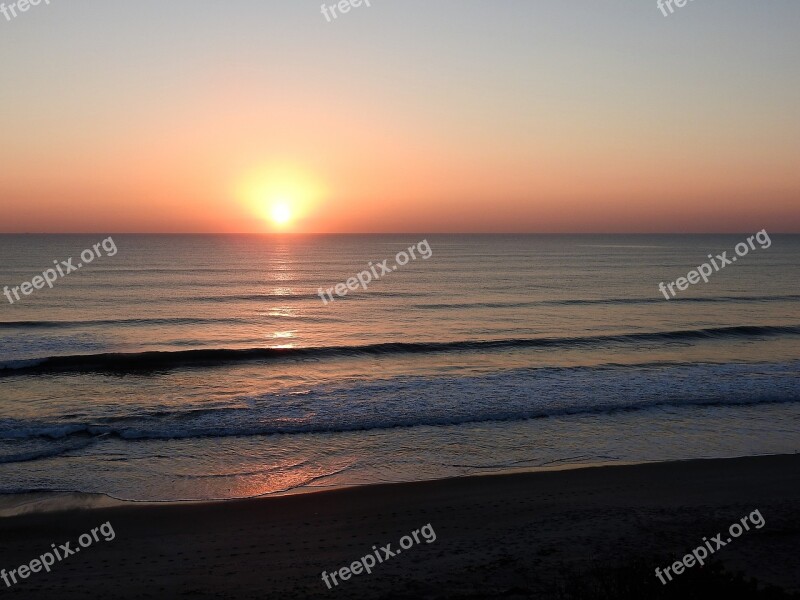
(551,116)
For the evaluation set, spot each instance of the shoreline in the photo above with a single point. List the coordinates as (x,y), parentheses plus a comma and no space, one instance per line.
(46,501)
(495,533)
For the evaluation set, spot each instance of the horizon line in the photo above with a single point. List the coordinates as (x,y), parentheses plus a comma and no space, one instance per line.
(296,233)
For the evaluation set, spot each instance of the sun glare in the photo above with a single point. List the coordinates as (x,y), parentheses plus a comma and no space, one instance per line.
(281,197)
(281,213)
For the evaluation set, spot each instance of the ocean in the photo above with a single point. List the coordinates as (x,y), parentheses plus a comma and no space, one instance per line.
(191,367)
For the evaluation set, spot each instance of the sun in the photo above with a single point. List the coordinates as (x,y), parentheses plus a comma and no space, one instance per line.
(280,197)
(281,213)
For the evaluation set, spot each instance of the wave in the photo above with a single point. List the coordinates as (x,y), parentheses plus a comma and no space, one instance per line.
(94,432)
(610,301)
(33,448)
(165,360)
(103,322)
(514,395)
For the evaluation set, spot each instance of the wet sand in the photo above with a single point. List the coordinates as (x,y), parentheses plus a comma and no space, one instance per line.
(510,536)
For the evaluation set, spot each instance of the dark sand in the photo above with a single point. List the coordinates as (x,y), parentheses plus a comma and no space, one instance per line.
(506,536)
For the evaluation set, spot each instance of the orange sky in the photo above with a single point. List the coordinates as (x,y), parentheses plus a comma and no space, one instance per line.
(540,119)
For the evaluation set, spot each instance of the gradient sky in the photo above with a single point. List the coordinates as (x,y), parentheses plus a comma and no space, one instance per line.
(406,116)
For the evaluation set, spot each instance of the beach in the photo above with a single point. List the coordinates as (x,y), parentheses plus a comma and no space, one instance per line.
(511,536)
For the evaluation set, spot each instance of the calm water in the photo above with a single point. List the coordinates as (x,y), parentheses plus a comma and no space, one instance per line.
(208,366)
